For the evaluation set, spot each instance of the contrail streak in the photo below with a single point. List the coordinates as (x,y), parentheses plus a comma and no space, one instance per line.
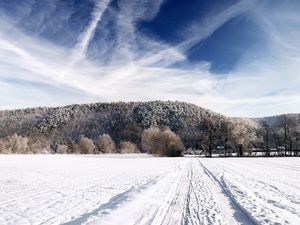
(86,36)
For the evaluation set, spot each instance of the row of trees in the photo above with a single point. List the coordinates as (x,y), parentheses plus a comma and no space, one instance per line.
(17,144)
(282,137)
(103,145)
(153,141)
(245,136)
(230,135)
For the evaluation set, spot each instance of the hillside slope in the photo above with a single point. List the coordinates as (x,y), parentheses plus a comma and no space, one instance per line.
(126,121)
(123,121)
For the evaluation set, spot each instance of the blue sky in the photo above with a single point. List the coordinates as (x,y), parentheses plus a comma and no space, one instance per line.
(237,57)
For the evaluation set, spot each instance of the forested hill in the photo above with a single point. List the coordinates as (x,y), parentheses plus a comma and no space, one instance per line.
(122,121)
(196,126)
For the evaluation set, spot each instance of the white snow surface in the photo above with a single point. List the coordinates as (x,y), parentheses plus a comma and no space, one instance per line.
(139,189)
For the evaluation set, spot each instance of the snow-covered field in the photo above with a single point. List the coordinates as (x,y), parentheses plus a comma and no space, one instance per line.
(123,189)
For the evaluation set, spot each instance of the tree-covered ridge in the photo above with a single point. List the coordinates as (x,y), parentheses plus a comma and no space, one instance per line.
(197,127)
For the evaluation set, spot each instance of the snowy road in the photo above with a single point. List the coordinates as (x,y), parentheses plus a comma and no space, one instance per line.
(146,190)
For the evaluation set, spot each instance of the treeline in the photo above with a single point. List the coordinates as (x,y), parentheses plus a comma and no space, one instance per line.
(16,144)
(153,141)
(122,121)
(280,137)
(228,136)
(273,136)
(70,128)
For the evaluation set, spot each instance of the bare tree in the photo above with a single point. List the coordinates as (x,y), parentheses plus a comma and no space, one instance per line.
(209,135)
(288,128)
(225,132)
(266,130)
(297,150)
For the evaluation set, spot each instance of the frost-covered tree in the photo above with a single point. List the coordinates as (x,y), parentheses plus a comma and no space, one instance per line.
(39,146)
(17,144)
(170,144)
(150,140)
(243,135)
(128,147)
(86,145)
(105,144)
(162,142)
(62,149)
(75,148)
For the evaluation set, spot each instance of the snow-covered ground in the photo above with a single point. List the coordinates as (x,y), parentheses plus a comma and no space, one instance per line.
(137,189)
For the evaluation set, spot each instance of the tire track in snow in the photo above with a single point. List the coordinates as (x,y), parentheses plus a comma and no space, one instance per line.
(192,211)
(171,212)
(189,218)
(263,199)
(117,209)
(187,194)
(206,202)
(242,216)
(267,203)
(112,204)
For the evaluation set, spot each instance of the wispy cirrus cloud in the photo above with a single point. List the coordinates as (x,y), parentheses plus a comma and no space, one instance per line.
(113,60)
(79,51)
